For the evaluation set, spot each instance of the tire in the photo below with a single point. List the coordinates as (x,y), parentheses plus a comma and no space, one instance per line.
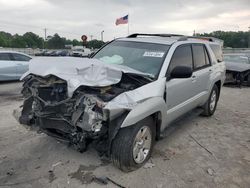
(211,104)
(122,148)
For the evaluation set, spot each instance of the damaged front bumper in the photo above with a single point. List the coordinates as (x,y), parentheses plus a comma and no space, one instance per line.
(80,119)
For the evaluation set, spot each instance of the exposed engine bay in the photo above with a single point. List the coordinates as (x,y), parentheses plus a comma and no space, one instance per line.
(237,77)
(79,119)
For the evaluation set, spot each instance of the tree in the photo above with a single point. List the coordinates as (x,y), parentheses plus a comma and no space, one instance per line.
(95,44)
(231,39)
(32,40)
(18,42)
(56,42)
(5,39)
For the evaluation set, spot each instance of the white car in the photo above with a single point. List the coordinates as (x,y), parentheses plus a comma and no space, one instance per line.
(13,65)
(81,52)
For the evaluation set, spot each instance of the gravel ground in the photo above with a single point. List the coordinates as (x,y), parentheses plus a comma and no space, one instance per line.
(197,151)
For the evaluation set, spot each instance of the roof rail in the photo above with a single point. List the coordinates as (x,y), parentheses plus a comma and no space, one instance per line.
(152,35)
(181,37)
(211,39)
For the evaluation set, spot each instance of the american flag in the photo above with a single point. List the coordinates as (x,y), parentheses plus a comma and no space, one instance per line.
(122,20)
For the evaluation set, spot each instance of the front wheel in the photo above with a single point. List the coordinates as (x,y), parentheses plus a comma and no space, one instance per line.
(211,104)
(133,145)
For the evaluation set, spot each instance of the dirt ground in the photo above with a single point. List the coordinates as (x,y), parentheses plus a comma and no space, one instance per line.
(197,151)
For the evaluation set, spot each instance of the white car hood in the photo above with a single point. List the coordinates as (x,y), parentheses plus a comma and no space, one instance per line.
(239,67)
(78,71)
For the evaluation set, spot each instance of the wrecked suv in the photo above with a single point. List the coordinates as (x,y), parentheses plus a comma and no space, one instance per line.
(122,98)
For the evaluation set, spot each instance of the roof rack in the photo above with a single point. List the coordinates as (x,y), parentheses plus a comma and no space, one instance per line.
(181,37)
(152,35)
(210,39)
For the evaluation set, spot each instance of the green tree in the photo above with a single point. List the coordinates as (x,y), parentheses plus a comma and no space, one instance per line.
(56,42)
(18,42)
(32,40)
(231,39)
(95,44)
(5,39)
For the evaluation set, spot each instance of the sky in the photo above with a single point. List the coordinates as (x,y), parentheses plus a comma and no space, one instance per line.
(73,18)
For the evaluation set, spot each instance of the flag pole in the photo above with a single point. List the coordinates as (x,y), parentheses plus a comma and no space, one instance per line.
(128,23)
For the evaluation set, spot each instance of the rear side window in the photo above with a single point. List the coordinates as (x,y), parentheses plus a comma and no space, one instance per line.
(4,57)
(200,55)
(20,57)
(182,57)
(217,52)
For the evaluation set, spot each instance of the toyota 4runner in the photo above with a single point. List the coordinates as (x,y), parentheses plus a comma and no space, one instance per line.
(124,96)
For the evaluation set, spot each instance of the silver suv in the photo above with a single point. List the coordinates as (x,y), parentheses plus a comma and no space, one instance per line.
(124,96)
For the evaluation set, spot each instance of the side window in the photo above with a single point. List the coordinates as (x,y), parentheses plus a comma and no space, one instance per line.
(181,57)
(199,56)
(20,57)
(4,57)
(216,48)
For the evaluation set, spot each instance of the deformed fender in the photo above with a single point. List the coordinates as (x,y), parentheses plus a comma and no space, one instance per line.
(145,109)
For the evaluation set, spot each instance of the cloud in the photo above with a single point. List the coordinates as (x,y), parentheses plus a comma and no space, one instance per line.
(74,18)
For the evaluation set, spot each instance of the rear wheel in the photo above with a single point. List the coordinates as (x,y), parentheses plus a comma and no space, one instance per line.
(133,145)
(211,104)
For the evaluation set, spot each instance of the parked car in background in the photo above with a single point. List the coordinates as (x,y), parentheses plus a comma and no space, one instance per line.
(13,65)
(63,53)
(237,68)
(124,97)
(80,52)
(53,53)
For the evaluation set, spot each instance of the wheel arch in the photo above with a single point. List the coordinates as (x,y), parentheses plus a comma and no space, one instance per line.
(219,85)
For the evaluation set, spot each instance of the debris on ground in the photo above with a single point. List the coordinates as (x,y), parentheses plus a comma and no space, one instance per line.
(197,142)
(85,175)
(104,181)
(52,176)
(37,167)
(210,171)
(149,165)
(10,172)
(55,165)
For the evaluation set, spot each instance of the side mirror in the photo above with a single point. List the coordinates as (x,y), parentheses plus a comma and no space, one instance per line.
(181,72)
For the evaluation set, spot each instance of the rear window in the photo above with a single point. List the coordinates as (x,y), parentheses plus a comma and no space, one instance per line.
(217,52)
(20,57)
(200,55)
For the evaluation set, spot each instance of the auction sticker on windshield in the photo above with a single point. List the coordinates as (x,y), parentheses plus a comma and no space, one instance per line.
(153,54)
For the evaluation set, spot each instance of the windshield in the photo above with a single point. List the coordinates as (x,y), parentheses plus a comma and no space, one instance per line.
(144,57)
(236,59)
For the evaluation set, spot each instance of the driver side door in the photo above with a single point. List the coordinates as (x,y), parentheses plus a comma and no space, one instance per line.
(180,91)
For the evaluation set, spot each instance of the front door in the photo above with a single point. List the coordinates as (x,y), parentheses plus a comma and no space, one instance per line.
(179,92)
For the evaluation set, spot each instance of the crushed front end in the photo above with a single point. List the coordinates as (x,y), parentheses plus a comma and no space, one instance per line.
(80,119)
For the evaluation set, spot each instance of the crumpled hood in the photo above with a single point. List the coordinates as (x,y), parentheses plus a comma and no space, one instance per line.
(78,71)
(239,67)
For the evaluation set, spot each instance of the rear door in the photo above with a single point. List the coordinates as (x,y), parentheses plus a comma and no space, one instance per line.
(202,71)
(8,70)
(22,63)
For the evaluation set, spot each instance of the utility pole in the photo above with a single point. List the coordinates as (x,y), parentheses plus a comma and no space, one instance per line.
(102,35)
(91,37)
(45,37)
(249,37)
(45,34)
